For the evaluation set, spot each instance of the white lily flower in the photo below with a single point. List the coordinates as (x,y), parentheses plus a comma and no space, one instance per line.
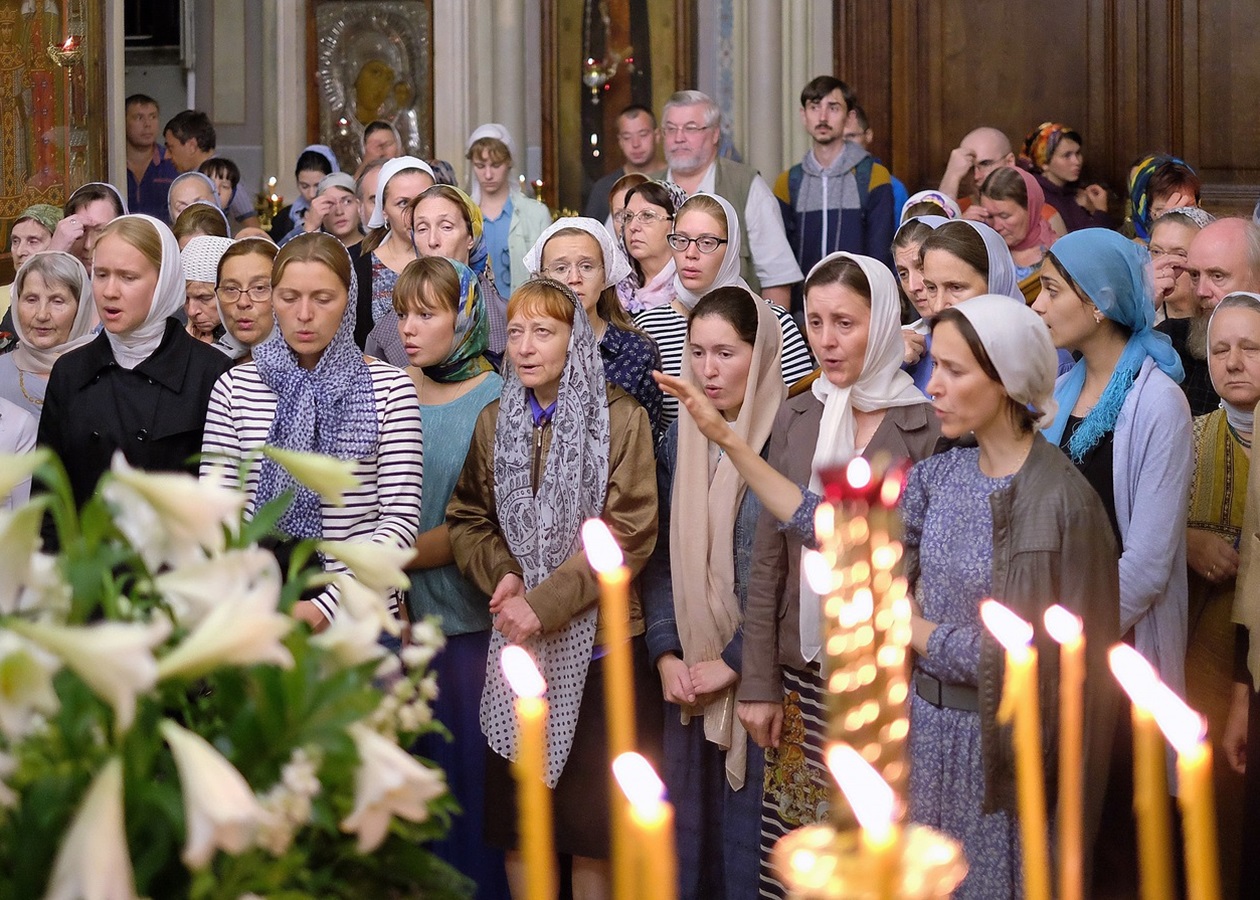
(114,659)
(17,467)
(194,590)
(378,566)
(389,782)
(362,602)
(244,630)
(327,476)
(220,810)
(46,591)
(93,862)
(19,541)
(351,640)
(171,517)
(26,688)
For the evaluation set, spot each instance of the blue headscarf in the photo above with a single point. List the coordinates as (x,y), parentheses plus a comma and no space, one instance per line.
(1139,191)
(330,409)
(1115,274)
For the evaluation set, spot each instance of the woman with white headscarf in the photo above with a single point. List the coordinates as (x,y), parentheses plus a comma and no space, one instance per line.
(706,241)
(387,248)
(53,314)
(861,404)
(579,252)
(187,189)
(1007,517)
(200,259)
(142,385)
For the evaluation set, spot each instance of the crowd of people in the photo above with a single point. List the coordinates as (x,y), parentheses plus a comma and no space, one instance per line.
(1074,388)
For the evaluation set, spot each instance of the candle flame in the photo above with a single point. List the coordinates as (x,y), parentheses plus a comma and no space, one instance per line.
(1136,676)
(858,472)
(1062,625)
(602,551)
(1183,727)
(1011,631)
(817,572)
(521,673)
(870,796)
(638,780)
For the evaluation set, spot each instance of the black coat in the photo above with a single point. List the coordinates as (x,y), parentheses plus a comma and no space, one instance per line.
(155,413)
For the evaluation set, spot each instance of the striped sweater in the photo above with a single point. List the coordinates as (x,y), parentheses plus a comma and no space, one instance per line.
(386,505)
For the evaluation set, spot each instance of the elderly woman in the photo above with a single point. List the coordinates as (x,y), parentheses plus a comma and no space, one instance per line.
(582,254)
(387,249)
(1008,518)
(54,314)
(141,386)
(1218,491)
(696,586)
(862,403)
(445,222)
(200,259)
(1179,313)
(561,445)
(309,388)
(187,188)
(1125,424)
(645,226)
(32,232)
(1052,153)
(442,325)
(706,241)
(243,294)
(1012,201)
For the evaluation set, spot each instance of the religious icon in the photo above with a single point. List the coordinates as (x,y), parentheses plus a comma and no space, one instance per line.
(374,63)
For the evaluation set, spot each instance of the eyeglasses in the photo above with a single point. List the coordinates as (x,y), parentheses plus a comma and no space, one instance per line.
(706,243)
(646,217)
(232,295)
(688,131)
(560,271)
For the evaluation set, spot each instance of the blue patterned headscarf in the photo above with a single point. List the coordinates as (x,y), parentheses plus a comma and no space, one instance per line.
(330,409)
(472,333)
(1140,194)
(1114,274)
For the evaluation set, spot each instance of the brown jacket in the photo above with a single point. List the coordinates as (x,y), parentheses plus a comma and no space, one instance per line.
(772,618)
(482,553)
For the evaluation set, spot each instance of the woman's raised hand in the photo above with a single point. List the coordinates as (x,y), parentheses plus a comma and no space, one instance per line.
(698,406)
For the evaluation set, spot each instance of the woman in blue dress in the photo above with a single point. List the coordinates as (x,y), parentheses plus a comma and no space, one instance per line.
(1007,517)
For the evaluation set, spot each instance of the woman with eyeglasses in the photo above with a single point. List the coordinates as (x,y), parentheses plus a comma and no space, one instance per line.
(645,224)
(243,292)
(580,253)
(705,246)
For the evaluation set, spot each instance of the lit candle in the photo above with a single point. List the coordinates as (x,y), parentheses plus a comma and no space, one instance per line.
(652,827)
(614,606)
(533,798)
(874,804)
(1187,731)
(1020,704)
(1150,784)
(1065,628)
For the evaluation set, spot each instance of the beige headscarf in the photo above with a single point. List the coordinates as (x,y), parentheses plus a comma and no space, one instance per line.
(708,491)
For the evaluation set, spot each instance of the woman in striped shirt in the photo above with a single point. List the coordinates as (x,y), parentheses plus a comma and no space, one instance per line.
(706,241)
(309,388)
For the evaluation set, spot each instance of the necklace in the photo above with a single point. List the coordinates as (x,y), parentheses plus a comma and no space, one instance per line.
(22,386)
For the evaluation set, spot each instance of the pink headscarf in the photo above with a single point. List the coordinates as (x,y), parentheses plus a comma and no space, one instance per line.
(1039,233)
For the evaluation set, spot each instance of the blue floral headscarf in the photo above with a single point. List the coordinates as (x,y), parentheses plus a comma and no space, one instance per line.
(1114,274)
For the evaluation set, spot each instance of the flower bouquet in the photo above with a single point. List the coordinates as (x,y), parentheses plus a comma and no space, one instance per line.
(168,731)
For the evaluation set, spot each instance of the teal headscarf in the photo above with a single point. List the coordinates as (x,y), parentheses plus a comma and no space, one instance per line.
(472,333)
(1115,274)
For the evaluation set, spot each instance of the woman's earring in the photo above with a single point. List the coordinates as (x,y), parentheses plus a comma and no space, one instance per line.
(1098,316)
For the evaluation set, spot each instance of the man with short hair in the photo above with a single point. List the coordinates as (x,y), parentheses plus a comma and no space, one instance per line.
(837,197)
(637,137)
(1224,257)
(980,152)
(190,141)
(691,133)
(149,171)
